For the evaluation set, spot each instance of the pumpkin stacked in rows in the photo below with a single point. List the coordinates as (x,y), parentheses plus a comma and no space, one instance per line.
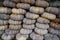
(29,20)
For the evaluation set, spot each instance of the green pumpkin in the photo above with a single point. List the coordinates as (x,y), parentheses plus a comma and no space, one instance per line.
(55,4)
(4,16)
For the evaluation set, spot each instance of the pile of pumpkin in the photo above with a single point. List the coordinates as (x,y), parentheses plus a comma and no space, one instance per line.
(29,20)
